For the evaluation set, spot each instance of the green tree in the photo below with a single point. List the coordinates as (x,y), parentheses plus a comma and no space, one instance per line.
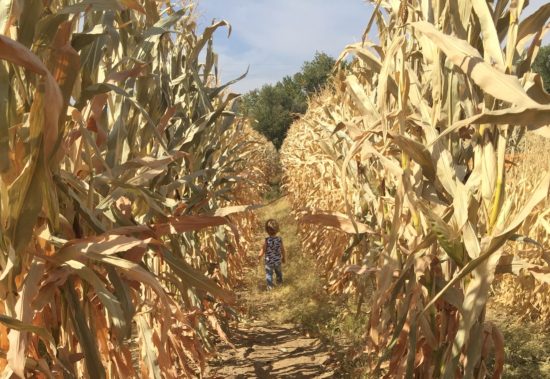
(274,107)
(315,74)
(542,66)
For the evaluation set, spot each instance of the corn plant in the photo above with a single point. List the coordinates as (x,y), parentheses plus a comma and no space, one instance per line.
(121,216)
(409,149)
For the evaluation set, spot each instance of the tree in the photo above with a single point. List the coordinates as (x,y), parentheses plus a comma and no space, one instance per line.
(274,107)
(541,65)
(314,74)
(272,112)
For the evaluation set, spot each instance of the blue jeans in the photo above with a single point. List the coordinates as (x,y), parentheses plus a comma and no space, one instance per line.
(269,268)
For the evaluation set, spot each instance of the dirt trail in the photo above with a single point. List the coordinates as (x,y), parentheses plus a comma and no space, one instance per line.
(265,347)
(271,351)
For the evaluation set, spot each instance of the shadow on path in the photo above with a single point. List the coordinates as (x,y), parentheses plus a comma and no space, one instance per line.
(264,351)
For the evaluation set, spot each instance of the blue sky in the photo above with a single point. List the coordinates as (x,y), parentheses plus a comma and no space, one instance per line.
(274,37)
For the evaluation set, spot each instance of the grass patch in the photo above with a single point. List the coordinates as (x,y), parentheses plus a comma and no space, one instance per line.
(526,346)
(301,299)
(273,193)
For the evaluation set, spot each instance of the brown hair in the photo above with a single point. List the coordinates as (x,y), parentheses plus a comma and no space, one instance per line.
(271,227)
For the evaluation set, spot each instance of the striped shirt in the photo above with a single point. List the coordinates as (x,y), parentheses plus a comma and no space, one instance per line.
(273,251)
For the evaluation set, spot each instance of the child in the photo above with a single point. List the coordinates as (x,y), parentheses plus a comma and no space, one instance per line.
(274,252)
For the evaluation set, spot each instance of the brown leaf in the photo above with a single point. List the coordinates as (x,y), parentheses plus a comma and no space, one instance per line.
(464,56)
(337,220)
(18,54)
(18,339)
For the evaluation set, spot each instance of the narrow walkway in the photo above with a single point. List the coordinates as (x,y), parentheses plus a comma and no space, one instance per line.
(271,351)
(266,345)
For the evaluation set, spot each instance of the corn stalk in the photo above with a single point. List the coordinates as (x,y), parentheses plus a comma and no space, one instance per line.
(122,219)
(408,154)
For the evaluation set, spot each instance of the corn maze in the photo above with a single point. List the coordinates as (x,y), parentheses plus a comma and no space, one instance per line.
(128,180)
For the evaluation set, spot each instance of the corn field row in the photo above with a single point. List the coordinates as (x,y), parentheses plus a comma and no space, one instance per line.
(527,293)
(402,162)
(125,178)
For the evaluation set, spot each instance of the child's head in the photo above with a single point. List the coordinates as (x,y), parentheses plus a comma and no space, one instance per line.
(271,227)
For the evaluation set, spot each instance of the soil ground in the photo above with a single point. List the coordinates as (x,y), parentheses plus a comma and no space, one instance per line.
(264,350)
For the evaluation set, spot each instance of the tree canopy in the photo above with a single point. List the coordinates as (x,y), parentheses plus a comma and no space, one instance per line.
(274,107)
(542,66)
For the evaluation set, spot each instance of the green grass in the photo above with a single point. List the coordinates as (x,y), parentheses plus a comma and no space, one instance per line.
(274,192)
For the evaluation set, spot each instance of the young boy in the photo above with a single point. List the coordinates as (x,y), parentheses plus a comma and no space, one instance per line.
(274,252)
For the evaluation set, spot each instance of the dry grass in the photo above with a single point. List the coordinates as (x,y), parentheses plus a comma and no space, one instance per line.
(287,303)
(527,345)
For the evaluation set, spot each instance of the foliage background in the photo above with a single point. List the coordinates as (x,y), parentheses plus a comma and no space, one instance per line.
(273,108)
(541,65)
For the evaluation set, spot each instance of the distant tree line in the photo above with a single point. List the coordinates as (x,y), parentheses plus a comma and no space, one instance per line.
(542,66)
(274,107)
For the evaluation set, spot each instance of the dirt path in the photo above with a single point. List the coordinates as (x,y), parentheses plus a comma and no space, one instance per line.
(266,344)
(271,351)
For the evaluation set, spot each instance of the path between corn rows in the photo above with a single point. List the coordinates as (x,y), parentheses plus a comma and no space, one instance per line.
(271,351)
(264,349)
